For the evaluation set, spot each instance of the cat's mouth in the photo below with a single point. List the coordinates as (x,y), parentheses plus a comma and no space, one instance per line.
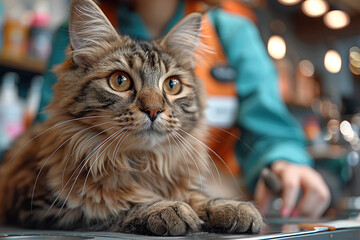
(152,135)
(152,129)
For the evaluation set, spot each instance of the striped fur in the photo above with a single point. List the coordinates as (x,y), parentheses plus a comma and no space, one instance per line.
(99,162)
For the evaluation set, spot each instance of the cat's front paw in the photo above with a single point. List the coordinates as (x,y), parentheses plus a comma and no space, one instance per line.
(166,218)
(228,216)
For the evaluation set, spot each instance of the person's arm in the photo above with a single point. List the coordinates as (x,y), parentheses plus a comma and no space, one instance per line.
(269,132)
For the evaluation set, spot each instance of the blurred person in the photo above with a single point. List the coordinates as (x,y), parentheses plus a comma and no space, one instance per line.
(270,136)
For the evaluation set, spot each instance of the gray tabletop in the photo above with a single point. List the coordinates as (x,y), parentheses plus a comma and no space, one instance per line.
(275,229)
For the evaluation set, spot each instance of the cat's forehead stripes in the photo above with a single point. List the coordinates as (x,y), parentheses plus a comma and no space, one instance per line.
(144,59)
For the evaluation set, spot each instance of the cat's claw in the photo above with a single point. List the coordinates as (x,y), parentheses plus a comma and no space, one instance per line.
(173,219)
(228,216)
(166,218)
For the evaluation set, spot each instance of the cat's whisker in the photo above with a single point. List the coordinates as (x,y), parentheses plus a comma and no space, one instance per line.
(122,141)
(88,140)
(46,161)
(196,165)
(48,129)
(82,168)
(63,188)
(170,149)
(226,131)
(204,161)
(213,163)
(119,143)
(183,154)
(180,148)
(203,123)
(222,160)
(188,145)
(236,137)
(116,135)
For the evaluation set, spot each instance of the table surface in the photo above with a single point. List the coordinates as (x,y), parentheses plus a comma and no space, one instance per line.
(275,229)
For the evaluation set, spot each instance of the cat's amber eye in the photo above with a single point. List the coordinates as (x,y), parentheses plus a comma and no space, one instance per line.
(172,85)
(120,81)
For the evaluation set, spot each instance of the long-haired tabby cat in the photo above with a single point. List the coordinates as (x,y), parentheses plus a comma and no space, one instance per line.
(122,149)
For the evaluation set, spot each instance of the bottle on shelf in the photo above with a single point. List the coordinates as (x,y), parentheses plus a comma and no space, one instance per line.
(40,34)
(11,111)
(15,33)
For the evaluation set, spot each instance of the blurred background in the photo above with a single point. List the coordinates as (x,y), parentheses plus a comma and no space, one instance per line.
(314,44)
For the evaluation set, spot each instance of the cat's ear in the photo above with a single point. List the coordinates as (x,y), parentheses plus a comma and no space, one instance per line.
(88,28)
(184,36)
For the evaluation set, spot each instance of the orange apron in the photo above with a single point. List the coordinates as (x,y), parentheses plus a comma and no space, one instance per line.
(222,140)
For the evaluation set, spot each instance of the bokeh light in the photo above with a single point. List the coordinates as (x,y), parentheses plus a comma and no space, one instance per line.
(336,19)
(289,2)
(306,68)
(276,47)
(354,58)
(347,131)
(332,61)
(315,8)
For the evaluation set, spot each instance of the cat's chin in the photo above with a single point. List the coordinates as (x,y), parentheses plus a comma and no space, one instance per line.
(152,137)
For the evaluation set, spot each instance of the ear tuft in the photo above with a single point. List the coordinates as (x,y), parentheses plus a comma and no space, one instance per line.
(184,37)
(88,28)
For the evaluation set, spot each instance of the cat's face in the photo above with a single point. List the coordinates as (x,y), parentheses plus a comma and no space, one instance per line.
(146,89)
(143,88)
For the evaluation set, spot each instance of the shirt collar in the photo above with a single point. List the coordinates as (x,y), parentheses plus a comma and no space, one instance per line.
(130,22)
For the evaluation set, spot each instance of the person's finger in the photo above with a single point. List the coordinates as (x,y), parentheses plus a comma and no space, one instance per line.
(316,197)
(291,187)
(321,208)
(312,204)
(307,204)
(262,196)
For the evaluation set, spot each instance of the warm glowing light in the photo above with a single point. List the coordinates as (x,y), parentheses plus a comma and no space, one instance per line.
(336,19)
(314,8)
(306,68)
(332,61)
(276,47)
(289,2)
(347,131)
(354,58)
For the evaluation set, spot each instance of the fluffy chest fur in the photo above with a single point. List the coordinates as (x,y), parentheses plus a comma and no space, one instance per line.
(106,173)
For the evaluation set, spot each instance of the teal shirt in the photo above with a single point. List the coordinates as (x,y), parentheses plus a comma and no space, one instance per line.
(269,132)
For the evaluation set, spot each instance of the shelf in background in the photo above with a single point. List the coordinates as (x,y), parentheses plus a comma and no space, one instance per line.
(26,64)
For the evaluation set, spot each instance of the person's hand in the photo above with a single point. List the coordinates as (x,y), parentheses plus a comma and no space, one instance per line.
(315,198)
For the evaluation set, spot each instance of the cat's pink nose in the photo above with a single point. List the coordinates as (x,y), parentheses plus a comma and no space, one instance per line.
(153,112)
